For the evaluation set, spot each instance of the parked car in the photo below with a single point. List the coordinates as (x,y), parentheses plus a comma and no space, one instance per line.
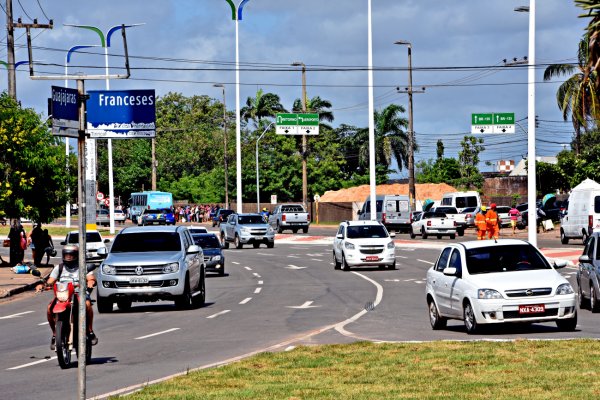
(582,216)
(588,274)
(434,224)
(93,242)
(169,216)
(392,210)
(470,213)
(483,282)
(415,215)
(214,259)
(244,229)
(150,264)
(152,217)
(102,217)
(363,244)
(461,200)
(289,216)
(221,216)
(197,229)
(454,215)
(503,217)
(120,217)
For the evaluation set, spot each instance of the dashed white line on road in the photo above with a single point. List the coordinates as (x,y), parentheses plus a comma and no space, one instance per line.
(265,254)
(248,268)
(32,363)
(425,261)
(257,290)
(247,299)
(408,280)
(260,282)
(419,282)
(43,323)
(293,257)
(219,313)
(157,333)
(235,262)
(401,257)
(407,249)
(392,280)
(317,259)
(291,266)
(256,275)
(16,315)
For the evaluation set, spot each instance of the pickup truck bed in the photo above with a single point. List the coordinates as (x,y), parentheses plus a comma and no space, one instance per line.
(289,216)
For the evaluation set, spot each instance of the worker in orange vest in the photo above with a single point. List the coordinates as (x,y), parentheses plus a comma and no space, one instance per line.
(481,223)
(491,218)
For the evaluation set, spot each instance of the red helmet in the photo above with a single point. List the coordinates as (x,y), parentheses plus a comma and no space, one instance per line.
(493,206)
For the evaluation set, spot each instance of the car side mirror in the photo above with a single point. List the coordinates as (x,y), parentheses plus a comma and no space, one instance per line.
(450,271)
(584,259)
(63,243)
(392,234)
(339,236)
(103,252)
(193,249)
(106,240)
(560,264)
(358,212)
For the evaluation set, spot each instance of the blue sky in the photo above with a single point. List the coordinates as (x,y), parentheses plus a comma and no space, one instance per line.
(458,47)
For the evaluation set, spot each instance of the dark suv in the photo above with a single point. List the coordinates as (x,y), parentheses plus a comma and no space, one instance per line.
(221,216)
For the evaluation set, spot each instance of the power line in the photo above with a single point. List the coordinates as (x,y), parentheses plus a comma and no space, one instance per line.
(41,8)
(21,5)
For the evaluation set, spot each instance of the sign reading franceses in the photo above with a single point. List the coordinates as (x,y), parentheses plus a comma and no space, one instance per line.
(121,114)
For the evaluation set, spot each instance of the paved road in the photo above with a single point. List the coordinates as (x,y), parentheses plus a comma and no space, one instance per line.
(269,299)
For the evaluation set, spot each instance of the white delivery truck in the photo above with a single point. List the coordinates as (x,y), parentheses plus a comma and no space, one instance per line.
(461,200)
(583,212)
(393,211)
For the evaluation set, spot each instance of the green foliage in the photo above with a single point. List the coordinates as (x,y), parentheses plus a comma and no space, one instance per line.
(550,178)
(441,170)
(33,180)
(468,158)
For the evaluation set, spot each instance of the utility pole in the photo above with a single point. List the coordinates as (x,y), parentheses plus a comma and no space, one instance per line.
(154,162)
(224,144)
(304,101)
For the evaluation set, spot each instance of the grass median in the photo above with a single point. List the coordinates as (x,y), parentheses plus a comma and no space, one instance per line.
(564,369)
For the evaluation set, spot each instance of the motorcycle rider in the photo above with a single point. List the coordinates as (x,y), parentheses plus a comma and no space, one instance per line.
(68,270)
(265,214)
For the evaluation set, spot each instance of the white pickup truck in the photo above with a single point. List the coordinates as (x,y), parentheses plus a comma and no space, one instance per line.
(290,216)
(434,224)
(453,214)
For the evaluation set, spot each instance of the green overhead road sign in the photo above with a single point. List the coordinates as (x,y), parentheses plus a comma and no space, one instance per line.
(297,124)
(493,123)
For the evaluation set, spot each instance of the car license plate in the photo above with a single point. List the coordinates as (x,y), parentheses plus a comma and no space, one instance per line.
(138,280)
(532,309)
(372,258)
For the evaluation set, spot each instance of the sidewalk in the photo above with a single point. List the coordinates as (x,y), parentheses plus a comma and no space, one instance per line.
(11,283)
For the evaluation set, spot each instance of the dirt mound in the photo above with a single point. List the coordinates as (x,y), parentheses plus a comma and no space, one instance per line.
(433,191)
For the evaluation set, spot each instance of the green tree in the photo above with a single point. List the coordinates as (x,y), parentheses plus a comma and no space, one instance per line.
(262,105)
(315,105)
(592,8)
(440,149)
(577,95)
(468,159)
(35,178)
(442,170)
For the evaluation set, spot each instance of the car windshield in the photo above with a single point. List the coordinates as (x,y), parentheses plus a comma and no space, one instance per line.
(493,259)
(140,242)
(447,210)
(89,237)
(250,219)
(366,231)
(207,241)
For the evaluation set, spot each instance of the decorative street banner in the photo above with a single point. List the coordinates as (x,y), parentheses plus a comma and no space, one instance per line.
(65,114)
(121,114)
(297,124)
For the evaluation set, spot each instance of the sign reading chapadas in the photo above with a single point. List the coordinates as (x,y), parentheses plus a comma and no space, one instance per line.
(121,114)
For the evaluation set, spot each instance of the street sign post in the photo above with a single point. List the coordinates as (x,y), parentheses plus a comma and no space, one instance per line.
(482,123)
(504,123)
(297,124)
(65,112)
(493,123)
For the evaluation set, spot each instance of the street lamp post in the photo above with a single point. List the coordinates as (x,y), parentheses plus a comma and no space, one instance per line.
(372,181)
(304,101)
(257,180)
(224,144)
(105,42)
(531,179)
(411,133)
(237,17)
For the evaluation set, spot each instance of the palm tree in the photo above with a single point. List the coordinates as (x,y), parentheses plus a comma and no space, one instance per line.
(315,105)
(263,105)
(577,95)
(593,36)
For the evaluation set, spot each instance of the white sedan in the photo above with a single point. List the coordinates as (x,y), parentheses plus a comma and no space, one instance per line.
(484,282)
(363,244)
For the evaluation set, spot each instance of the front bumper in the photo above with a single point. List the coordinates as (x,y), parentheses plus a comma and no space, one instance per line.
(156,287)
(355,258)
(490,311)
(248,238)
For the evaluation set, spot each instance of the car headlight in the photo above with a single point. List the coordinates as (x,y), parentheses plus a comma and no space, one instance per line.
(245,230)
(170,268)
(565,288)
(270,230)
(488,294)
(109,269)
(391,244)
(216,258)
(349,245)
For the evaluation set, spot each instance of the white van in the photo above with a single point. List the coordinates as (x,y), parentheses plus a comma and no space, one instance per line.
(583,213)
(461,200)
(393,211)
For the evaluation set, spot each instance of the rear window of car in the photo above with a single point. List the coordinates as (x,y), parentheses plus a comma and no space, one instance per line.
(466,201)
(296,209)
(366,231)
(207,241)
(498,259)
(447,210)
(597,204)
(144,241)
(89,237)
(154,212)
(503,210)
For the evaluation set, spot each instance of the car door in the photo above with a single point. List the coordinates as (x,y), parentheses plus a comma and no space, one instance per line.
(230,226)
(438,282)
(338,242)
(586,268)
(455,284)
(192,260)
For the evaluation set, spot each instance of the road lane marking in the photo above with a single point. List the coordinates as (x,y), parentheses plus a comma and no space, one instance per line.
(317,259)
(292,266)
(157,333)
(392,280)
(236,263)
(219,313)
(257,290)
(265,254)
(32,363)
(260,282)
(425,261)
(248,268)
(16,315)
(307,304)
(341,325)
(293,257)
(247,299)
(256,275)
(401,257)
(290,348)
(43,323)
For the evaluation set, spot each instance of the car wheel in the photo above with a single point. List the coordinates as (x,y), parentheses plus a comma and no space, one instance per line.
(184,301)
(279,228)
(124,304)
(436,321)
(295,230)
(594,305)
(392,266)
(103,304)
(412,235)
(256,245)
(270,245)
(200,298)
(461,232)
(345,266)
(470,320)
(439,236)
(238,243)
(225,242)
(584,238)
(423,233)
(222,270)
(581,300)
(452,237)
(563,238)
(304,230)
(336,264)
(567,324)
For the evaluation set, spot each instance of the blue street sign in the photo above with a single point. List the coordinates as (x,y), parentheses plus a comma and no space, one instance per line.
(65,114)
(121,114)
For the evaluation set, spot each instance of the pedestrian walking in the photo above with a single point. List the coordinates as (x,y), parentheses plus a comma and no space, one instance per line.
(491,217)
(18,242)
(481,223)
(48,246)
(514,217)
(38,246)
